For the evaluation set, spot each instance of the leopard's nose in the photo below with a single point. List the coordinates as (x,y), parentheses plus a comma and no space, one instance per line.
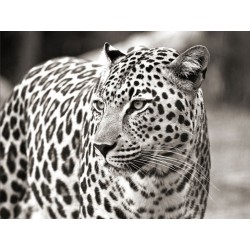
(105,148)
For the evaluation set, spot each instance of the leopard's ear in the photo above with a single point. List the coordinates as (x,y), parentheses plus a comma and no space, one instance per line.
(191,66)
(112,54)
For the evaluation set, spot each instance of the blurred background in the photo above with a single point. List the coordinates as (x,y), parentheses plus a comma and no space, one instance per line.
(226,91)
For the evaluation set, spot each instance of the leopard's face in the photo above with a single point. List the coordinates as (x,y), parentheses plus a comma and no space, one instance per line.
(141,111)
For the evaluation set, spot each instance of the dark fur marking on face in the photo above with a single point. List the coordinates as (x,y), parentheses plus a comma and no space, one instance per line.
(179,105)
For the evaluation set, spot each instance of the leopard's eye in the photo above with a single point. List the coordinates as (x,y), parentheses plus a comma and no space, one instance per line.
(99,105)
(138,104)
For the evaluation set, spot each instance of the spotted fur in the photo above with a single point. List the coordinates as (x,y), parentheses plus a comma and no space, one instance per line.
(127,139)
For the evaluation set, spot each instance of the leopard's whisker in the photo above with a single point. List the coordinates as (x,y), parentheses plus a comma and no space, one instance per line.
(166,149)
(141,160)
(170,167)
(178,161)
(172,151)
(162,164)
(185,170)
(139,169)
(197,170)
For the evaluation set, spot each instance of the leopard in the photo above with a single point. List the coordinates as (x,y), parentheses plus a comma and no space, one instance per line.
(121,138)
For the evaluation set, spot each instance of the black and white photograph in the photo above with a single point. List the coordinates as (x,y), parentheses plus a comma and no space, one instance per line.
(128,125)
(133,112)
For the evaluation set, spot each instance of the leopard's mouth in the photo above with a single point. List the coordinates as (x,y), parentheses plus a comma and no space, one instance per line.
(116,170)
(131,166)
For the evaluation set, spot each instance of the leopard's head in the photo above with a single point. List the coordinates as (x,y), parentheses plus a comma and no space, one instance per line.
(147,105)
